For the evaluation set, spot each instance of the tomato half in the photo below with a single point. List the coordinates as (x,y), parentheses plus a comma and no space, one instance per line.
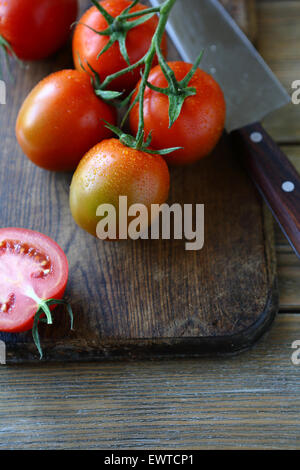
(32,268)
(87,44)
(36,28)
(111,170)
(200,124)
(61,119)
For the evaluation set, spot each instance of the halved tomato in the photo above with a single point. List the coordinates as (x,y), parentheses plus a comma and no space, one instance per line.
(33,269)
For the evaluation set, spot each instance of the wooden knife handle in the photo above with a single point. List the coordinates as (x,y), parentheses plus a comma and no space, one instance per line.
(275,177)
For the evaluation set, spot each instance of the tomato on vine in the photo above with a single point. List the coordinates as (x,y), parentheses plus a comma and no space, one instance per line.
(109,38)
(61,119)
(110,170)
(201,117)
(34,29)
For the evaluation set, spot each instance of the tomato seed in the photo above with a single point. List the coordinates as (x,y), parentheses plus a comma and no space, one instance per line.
(24,249)
(8,305)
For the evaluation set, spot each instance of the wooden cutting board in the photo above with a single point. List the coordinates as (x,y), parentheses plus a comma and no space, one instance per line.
(145,298)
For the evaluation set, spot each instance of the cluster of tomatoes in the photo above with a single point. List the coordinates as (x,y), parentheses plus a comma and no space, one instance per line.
(62,123)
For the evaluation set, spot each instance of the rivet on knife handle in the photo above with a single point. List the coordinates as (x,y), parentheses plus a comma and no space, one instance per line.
(275,177)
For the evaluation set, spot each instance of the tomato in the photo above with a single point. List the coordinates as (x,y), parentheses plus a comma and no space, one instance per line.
(61,119)
(87,44)
(200,124)
(36,28)
(110,170)
(32,268)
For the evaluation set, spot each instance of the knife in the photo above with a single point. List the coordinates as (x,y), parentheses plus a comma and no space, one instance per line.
(251,91)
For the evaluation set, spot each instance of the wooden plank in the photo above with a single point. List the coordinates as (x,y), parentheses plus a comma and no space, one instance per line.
(288,263)
(247,401)
(278,42)
(289,281)
(293,152)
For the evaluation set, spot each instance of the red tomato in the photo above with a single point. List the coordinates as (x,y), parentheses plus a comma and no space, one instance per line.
(87,44)
(110,170)
(36,28)
(32,268)
(200,124)
(61,119)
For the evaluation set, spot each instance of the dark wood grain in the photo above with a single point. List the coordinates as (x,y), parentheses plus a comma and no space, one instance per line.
(270,169)
(250,401)
(278,23)
(146,297)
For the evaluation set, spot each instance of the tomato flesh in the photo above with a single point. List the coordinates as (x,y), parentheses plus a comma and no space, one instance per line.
(32,268)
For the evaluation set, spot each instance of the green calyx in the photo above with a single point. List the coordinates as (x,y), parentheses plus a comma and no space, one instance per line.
(177,91)
(44,310)
(119,27)
(105,95)
(139,143)
(113,97)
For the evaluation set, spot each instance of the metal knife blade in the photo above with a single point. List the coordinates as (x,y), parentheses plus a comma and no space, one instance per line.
(251,89)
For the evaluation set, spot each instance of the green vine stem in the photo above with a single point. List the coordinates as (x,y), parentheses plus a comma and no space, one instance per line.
(44,310)
(7,48)
(155,46)
(141,13)
(119,27)
(177,91)
(147,60)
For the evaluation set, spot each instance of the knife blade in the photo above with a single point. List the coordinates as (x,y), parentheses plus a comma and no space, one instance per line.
(251,91)
(250,87)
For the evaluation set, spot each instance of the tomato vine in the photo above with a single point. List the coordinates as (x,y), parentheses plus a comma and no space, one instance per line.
(8,50)
(44,310)
(177,91)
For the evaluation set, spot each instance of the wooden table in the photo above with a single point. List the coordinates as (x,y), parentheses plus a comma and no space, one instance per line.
(247,401)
